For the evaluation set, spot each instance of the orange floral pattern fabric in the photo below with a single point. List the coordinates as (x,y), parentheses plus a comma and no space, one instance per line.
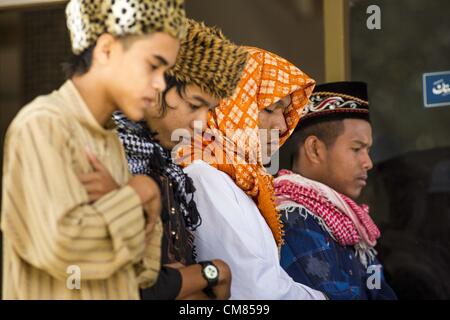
(235,148)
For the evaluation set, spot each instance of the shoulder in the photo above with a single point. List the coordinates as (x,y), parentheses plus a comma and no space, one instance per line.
(200,168)
(43,119)
(41,111)
(298,216)
(213,185)
(298,221)
(204,174)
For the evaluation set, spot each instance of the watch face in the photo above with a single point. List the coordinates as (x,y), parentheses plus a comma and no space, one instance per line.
(211,272)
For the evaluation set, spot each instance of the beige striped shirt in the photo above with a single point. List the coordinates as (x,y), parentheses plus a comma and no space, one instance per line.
(52,235)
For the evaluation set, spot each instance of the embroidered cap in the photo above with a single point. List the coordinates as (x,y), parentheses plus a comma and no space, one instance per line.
(336,100)
(88,19)
(210,60)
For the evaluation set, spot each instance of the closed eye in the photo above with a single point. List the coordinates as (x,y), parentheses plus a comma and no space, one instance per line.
(194,107)
(153,67)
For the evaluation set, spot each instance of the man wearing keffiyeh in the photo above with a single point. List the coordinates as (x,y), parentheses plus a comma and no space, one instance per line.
(330,239)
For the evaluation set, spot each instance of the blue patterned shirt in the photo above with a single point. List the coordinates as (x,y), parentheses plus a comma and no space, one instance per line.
(312,257)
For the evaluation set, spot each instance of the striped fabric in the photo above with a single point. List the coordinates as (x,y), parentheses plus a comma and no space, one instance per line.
(49,227)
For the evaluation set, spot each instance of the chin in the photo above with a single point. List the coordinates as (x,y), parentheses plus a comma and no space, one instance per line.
(134,115)
(354,195)
(166,145)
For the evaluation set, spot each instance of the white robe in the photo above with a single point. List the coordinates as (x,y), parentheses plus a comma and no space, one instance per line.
(234,231)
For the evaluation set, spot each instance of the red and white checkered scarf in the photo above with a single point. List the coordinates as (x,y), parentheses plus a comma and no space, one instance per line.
(347,222)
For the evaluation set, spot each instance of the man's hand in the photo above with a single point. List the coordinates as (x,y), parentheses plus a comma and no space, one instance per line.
(99,182)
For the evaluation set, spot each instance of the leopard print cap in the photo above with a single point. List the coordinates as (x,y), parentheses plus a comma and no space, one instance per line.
(88,19)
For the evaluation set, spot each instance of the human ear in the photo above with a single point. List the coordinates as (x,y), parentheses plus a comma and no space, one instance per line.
(103,48)
(314,149)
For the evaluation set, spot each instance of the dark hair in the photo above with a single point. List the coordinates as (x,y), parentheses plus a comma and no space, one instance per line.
(78,64)
(325,130)
(81,63)
(171,82)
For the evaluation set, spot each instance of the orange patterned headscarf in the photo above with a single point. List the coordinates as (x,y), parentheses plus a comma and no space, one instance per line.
(235,150)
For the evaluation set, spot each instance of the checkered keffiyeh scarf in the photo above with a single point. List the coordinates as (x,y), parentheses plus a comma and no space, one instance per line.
(346,222)
(147,157)
(266,79)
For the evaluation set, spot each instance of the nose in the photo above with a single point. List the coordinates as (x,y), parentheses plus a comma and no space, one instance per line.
(158,81)
(280,123)
(200,119)
(367,162)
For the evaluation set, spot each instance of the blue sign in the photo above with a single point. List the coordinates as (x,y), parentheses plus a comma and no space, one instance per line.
(436,89)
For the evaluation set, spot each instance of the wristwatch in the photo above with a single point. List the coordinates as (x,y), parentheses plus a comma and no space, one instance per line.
(210,272)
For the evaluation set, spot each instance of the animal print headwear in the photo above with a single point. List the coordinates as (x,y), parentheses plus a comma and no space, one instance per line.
(209,60)
(88,19)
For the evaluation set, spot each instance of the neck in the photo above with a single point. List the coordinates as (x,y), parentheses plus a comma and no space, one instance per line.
(150,121)
(318,176)
(305,171)
(95,97)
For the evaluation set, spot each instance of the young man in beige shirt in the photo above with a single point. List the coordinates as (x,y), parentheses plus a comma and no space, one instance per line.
(63,237)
